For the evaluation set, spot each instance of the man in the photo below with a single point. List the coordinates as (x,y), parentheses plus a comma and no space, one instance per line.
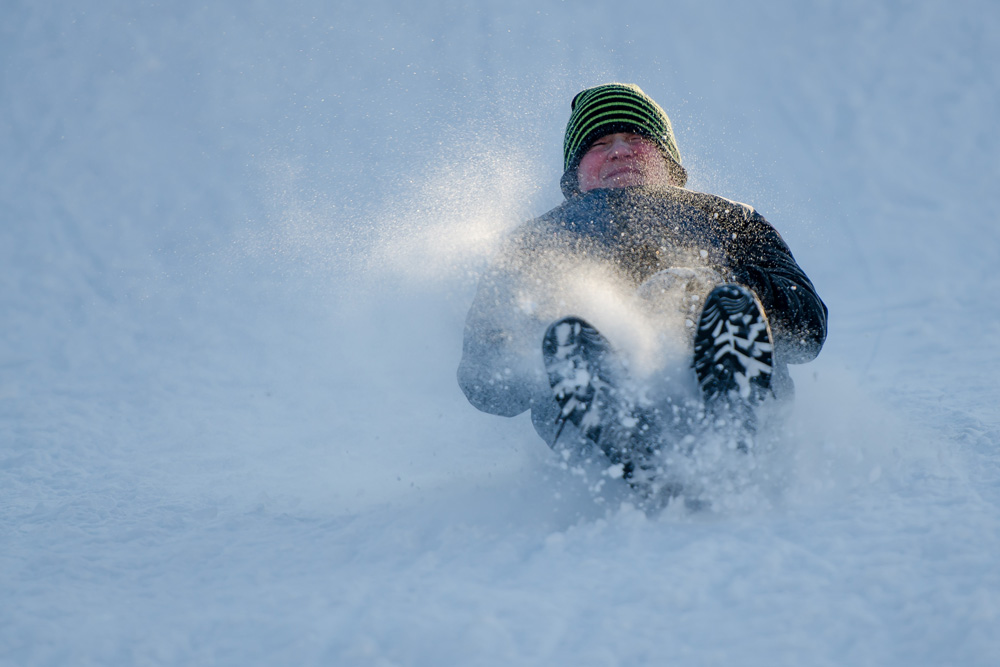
(581,315)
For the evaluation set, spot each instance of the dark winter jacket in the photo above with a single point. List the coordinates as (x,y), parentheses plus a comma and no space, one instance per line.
(631,233)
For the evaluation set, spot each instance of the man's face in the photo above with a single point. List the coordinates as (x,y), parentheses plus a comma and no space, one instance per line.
(620,160)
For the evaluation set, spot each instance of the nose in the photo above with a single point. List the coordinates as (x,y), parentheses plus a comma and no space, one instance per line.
(619,146)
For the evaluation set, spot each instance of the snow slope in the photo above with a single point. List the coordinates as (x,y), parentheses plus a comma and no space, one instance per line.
(238,241)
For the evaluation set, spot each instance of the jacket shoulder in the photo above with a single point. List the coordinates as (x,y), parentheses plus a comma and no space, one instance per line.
(714,204)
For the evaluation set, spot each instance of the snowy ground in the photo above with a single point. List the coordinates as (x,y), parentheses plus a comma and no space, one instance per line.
(237,241)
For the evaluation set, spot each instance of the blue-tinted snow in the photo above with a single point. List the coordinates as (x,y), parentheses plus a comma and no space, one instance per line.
(238,240)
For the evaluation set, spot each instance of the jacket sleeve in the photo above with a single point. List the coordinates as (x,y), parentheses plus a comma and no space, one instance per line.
(496,372)
(761,260)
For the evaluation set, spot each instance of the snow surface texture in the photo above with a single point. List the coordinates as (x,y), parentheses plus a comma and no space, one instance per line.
(238,241)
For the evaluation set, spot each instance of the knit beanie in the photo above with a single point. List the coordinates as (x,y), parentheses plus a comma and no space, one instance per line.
(611,108)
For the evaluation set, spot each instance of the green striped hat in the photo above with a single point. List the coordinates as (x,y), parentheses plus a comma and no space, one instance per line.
(611,108)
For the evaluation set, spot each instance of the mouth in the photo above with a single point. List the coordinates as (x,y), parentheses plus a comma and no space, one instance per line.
(624,170)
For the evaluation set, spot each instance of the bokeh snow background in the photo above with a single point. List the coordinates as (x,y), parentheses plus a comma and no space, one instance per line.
(238,240)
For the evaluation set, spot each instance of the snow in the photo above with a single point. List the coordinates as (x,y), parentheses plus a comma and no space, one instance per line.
(237,242)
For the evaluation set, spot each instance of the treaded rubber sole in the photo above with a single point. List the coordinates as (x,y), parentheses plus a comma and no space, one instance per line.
(733,346)
(574,351)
